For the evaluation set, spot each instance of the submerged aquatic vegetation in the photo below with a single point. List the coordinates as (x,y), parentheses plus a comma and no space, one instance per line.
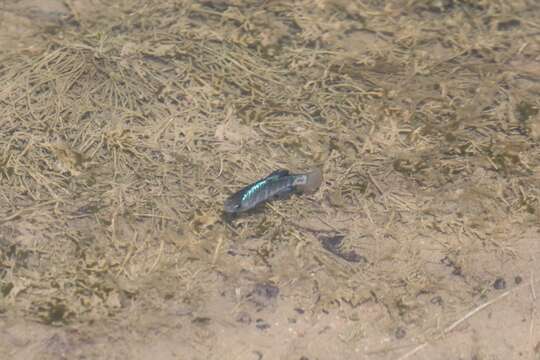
(123,133)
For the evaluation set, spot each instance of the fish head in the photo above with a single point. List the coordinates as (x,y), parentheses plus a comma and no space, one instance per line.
(233,204)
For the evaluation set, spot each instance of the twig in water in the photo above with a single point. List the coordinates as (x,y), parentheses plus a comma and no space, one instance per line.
(464,318)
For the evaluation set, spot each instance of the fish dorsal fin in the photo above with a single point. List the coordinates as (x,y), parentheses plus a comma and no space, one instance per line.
(278,174)
(251,189)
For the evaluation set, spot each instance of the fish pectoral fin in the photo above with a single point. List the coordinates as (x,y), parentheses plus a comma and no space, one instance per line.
(284,193)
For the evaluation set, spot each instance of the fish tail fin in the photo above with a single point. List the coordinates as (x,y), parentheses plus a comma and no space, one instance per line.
(308,183)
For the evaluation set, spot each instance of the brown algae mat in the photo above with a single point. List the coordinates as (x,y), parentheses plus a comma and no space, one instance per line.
(124,128)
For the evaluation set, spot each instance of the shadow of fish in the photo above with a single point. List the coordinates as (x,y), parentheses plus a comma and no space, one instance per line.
(279,183)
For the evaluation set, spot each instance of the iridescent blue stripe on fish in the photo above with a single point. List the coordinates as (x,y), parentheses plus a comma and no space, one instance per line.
(251,191)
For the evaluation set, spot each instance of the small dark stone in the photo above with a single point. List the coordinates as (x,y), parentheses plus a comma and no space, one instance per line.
(457,271)
(518,280)
(266,290)
(201,320)
(57,312)
(261,324)
(499,284)
(299,310)
(436,300)
(263,294)
(292,320)
(352,256)
(508,25)
(332,242)
(400,333)
(304,358)
(243,318)
(6,288)
(446,261)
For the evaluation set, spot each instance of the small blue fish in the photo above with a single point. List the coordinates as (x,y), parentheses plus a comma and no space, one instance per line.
(278,183)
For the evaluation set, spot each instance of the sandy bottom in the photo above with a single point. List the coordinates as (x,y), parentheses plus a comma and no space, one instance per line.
(419,268)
